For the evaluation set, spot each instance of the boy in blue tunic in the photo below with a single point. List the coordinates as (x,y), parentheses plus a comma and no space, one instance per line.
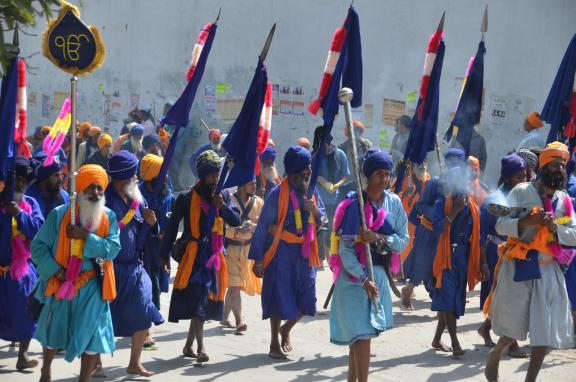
(20,220)
(285,252)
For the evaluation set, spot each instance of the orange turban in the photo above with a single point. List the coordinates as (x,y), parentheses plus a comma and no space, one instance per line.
(104,140)
(150,166)
(84,127)
(474,163)
(90,174)
(94,130)
(554,151)
(304,142)
(534,120)
(45,129)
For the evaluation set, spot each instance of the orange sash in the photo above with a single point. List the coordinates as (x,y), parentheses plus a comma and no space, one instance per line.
(443,258)
(288,237)
(63,252)
(187,263)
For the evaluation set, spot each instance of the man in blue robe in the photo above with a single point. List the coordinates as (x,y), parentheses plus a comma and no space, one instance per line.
(200,283)
(80,323)
(20,220)
(279,249)
(47,189)
(133,311)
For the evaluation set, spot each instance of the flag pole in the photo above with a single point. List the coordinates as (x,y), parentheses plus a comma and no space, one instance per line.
(72,169)
(345,95)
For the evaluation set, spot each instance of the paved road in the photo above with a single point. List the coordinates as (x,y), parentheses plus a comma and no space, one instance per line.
(401,354)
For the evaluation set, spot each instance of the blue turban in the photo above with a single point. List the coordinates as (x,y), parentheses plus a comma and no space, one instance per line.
(208,163)
(296,160)
(122,165)
(455,157)
(149,140)
(25,168)
(268,154)
(45,172)
(376,159)
(511,164)
(137,131)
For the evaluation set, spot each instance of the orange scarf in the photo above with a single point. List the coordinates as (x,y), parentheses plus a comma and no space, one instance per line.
(187,263)
(63,252)
(288,237)
(443,259)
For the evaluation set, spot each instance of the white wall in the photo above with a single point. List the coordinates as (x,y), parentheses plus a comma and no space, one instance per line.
(149,45)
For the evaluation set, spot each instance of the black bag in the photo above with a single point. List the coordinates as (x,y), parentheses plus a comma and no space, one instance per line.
(34,306)
(179,248)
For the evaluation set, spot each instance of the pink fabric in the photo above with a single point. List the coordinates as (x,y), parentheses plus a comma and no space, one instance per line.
(311,228)
(20,250)
(216,241)
(563,255)
(395,263)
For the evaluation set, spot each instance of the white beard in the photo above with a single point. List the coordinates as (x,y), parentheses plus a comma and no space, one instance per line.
(90,212)
(133,192)
(136,144)
(270,173)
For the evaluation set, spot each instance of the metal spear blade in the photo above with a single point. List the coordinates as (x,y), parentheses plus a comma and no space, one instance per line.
(441,23)
(15,37)
(218,17)
(268,43)
(484,26)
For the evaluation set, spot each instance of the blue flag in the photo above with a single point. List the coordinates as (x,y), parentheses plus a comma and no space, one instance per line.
(240,144)
(556,110)
(470,104)
(8,120)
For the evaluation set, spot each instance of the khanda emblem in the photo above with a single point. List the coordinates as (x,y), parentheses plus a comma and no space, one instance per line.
(71,45)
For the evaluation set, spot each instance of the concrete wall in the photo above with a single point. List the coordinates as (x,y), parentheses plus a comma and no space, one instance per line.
(149,45)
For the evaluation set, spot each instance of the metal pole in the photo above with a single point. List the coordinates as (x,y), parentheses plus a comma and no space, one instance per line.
(72,169)
(345,95)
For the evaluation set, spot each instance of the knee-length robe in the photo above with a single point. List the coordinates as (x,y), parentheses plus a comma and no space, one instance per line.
(84,323)
(15,323)
(540,306)
(289,283)
(133,309)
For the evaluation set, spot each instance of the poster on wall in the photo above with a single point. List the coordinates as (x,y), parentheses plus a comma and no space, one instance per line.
(275,99)
(285,100)
(45,105)
(228,109)
(210,99)
(297,100)
(369,115)
(391,110)
(498,111)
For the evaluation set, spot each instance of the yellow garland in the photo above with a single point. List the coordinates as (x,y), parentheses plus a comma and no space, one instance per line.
(128,217)
(298,218)
(218,226)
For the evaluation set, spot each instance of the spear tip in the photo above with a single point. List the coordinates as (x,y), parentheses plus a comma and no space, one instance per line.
(218,17)
(15,37)
(484,26)
(267,43)
(441,23)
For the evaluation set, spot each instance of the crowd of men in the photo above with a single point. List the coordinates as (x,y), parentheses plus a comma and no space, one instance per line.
(75,286)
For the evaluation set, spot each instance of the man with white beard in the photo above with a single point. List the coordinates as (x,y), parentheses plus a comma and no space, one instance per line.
(269,177)
(134,144)
(133,311)
(76,282)
(216,138)
(20,220)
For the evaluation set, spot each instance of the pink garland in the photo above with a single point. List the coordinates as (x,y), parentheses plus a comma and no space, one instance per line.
(217,243)
(563,255)
(20,250)
(133,206)
(311,229)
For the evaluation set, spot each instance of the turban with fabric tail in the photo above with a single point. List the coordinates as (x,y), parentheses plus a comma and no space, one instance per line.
(90,174)
(554,151)
(208,163)
(122,165)
(529,157)
(104,140)
(511,165)
(45,172)
(534,120)
(296,160)
(376,159)
(25,168)
(150,167)
(268,154)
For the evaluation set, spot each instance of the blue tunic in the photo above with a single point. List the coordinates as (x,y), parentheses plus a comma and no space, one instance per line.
(289,284)
(418,265)
(352,314)
(133,309)
(193,301)
(83,324)
(162,205)
(15,323)
(451,297)
(45,205)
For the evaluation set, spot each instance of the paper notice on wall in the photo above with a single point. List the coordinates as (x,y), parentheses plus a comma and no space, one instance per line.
(285,100)
(210,99)
(275,99)
(228,109)
(384,139)
(498,111)
(412,97)
(391,110)
(45,105)
(297,100)
(369,115)
(222,88)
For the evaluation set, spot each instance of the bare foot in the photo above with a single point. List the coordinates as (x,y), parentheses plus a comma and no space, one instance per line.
(285,340)
(202,357)
(485,334)
(441,347)
(276,353)
(25,363)
(457,350)
(406,300)
(189,353)
(491,370)
(140,370)
(45,375)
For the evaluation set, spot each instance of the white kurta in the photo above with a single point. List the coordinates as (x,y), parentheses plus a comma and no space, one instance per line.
(540,307)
